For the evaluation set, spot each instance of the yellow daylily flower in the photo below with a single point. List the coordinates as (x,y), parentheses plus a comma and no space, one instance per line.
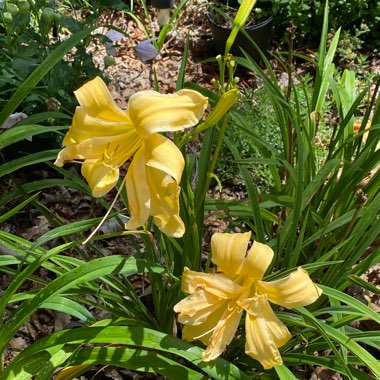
(357,129)
(212,311)
(104,137)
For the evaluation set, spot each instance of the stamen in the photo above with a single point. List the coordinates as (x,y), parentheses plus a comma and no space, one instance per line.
(107,213)
(108,157)
(233,306)
(205,333)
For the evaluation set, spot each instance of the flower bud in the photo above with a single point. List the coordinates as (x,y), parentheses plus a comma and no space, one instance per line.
(57,18)
(47,19)
(12,9)
(226,101)
(8,19)
(47,16)
(240,19)
(109,61)
(163,16)
(23,6)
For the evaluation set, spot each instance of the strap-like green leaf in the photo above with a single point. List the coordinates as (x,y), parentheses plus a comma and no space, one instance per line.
(12,135)
(28,160)
(348,300)
(14,210)
(284,373)
(79,275)
(138,339)
(336,335)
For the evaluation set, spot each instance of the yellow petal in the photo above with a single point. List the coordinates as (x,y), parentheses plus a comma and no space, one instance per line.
(165,212)
(164,202)
(163,154)
(204,331)
(265,333)
(297,289)
(100,177)
(215,284)
(152,192)
(223,333)
(137,191)
(98,115)
(254,304)
(114,150)
(200,332)
(152,112)
(197,308)
(165,164)
(66,154)
(229,250)
(100,130)
(257,261)
(152,186)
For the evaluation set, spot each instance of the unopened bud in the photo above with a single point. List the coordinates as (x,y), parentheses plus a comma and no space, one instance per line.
(226,101)
(23,6)
(47,15)
(109,61)
(12,9)
(239,21)
(243,13)
(8,19)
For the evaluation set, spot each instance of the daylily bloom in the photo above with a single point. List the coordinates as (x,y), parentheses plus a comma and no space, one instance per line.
(104,137)
(212,311)
(357,129)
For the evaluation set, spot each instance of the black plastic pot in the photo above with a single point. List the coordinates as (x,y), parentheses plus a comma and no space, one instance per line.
(163,4)
(261,33)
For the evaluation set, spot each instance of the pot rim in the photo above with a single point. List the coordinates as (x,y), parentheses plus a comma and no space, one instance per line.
(252,27)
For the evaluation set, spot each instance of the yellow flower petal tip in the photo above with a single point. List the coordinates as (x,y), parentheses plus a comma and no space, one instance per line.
(212,311)
(104,137)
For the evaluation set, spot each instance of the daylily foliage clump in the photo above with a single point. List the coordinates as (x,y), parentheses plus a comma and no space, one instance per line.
(212,311)
(124,286)
(104,137)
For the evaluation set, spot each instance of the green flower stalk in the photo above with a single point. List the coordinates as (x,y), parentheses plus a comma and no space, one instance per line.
(242,15)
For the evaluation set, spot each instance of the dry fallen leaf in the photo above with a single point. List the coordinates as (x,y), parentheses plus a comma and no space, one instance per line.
(33,233)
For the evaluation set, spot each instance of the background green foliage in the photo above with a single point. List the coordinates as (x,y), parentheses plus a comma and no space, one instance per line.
(256,108)
(358,17)
(29,32)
